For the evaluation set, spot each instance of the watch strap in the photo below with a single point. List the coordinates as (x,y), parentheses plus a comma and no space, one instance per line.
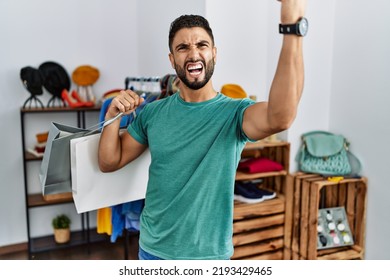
(288,28)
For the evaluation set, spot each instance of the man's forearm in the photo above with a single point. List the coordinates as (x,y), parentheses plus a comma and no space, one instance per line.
(287,86)
(109,147)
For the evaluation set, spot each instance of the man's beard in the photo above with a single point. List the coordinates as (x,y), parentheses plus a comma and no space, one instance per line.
(197,84)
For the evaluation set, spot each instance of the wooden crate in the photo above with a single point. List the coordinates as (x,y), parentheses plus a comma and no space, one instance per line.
(306,193)
(258,230)
(276,151)
(293,213)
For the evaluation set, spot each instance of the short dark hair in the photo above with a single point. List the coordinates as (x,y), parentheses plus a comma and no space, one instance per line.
(189,21)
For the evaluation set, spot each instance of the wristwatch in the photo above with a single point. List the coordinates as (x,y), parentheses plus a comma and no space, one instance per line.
(300,28)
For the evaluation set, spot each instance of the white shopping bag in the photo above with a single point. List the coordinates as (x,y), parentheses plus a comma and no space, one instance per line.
(93,189)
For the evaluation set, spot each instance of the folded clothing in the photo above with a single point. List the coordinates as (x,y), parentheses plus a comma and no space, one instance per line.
(40,147)
(258,165)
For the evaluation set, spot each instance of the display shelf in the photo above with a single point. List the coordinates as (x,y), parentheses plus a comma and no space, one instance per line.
(242,176)
(267,207)
(307,194)
(37,200)
(59,109)
(258,228)
(47,243)
(34,200)
(354,252)
(31,157)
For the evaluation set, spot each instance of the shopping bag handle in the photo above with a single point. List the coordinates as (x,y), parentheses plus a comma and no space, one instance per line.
(93,129)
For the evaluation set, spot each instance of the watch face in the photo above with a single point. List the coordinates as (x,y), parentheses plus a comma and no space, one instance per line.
(303,26)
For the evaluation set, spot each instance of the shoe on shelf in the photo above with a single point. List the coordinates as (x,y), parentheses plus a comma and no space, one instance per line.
(70,101)
(249,193)
(246,195)
(77,97)
(265,193)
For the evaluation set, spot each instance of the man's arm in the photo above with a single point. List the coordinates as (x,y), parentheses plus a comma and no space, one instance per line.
(266,118)
(115,149)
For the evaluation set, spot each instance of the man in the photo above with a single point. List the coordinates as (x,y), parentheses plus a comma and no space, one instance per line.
(196,137)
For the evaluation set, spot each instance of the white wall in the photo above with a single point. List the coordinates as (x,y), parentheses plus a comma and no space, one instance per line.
(240,29)
(71,33)
(360,104)
(345,91)
(153,20)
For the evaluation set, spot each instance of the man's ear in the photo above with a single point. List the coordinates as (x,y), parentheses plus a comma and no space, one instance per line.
(172,60)
(215,54)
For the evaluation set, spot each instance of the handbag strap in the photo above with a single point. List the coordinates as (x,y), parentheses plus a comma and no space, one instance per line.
(316,132)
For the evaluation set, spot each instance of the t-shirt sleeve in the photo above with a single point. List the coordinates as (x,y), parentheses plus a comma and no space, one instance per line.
(137,128)
(244,104)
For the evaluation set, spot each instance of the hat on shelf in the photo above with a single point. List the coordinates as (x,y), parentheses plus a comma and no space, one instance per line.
(32,79)
(233,91)
(56,78)
(85,75)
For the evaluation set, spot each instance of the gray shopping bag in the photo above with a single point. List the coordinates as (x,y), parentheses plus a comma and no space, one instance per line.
(55,172)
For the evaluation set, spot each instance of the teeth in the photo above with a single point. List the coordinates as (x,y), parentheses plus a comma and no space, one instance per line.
(195,67)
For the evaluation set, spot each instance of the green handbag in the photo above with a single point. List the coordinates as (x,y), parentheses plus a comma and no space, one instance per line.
(327,154)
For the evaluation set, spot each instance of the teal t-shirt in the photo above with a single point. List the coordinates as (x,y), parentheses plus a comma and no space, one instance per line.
(195,149)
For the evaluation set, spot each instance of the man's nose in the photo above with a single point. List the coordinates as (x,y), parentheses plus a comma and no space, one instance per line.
(193,53)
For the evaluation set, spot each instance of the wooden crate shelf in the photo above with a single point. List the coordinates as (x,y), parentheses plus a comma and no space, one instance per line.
(258,229)
(271,249)
(306,194)
(348,253)
(244,211)
(276,151)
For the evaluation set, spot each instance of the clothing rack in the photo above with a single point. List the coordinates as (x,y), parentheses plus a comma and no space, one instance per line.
(143,84)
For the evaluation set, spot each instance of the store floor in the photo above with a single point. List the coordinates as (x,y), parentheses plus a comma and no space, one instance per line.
(102,250)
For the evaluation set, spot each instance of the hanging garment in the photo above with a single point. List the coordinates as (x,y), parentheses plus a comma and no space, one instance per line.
(125,216)
(104,221)
(118,222)
(132,212)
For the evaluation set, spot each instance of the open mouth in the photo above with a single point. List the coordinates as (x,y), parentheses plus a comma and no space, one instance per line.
(195,69)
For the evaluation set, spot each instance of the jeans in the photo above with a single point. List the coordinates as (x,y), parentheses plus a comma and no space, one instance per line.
(142,255)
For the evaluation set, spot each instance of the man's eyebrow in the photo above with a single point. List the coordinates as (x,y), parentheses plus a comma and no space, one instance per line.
(182,45)
(185,45)
(203,42)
